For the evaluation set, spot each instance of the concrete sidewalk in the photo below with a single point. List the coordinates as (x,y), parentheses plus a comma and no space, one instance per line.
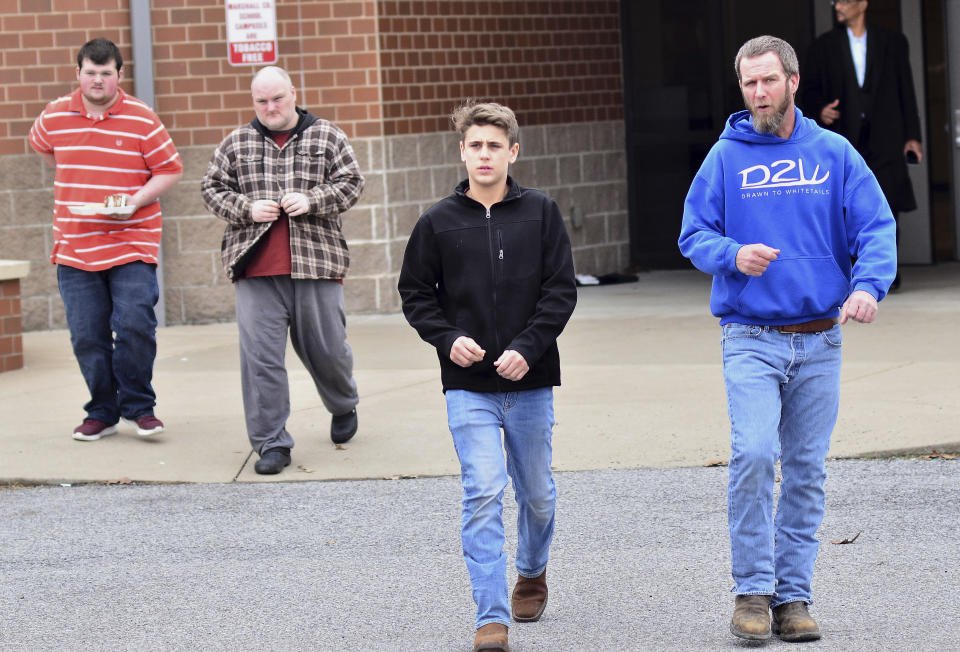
(642,388)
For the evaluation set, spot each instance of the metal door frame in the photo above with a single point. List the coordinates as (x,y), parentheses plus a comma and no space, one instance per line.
(952,28)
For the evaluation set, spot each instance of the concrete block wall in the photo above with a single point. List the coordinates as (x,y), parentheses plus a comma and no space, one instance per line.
(26,216)
(386,71)
(582,166)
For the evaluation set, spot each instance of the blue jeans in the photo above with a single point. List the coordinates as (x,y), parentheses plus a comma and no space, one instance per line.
(113,329)
(783,393)
(475,420)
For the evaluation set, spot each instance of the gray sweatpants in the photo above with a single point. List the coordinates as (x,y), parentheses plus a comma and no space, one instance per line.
(312,310)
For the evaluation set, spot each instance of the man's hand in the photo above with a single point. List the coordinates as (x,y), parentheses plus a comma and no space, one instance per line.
(131,200)
(859,306)
(155,186)
(465,351)
(264,210)
(915,147)
(511,365)
(295,203)
(829,113)
(753,259)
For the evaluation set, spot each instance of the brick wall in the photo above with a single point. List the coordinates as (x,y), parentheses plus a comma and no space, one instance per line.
(11,326)
(552,62)
(41,39)
(387,72)
(373,67)
(328,47)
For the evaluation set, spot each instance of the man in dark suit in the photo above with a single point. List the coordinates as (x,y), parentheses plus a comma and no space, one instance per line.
(857,82)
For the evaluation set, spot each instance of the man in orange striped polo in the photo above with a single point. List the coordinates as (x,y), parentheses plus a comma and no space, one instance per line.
(108,147)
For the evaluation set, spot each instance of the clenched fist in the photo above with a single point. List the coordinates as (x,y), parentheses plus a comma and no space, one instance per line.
(754,259)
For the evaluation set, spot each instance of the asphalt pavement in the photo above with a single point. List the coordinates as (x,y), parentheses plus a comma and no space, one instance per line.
(639,562)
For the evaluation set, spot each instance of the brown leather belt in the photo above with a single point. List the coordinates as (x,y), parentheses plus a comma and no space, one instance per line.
(814,326)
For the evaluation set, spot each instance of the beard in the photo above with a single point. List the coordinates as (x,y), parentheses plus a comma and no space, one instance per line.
(770,122)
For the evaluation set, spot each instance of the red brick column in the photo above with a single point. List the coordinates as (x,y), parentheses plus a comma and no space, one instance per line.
(11,326)
(11,323)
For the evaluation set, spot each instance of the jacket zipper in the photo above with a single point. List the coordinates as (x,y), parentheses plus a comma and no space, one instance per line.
(493,274)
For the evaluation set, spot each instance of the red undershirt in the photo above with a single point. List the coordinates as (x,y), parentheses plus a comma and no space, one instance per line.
(271,256)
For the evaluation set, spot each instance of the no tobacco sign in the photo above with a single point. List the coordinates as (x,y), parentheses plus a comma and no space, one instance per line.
(251,32)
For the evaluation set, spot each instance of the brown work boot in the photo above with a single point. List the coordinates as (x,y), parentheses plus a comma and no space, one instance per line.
(751,617)
(529,598)
(492,636)
(792,622)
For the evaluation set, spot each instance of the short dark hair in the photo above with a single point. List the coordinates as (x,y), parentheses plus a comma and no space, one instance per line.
(472,113)
(100,51)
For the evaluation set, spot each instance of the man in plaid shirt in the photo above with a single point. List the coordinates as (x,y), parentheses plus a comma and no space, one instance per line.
(280,183)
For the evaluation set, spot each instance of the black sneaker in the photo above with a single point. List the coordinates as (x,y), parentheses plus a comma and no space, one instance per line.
(343,426)
(272,461)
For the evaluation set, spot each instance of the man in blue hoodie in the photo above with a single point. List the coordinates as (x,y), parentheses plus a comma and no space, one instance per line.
(776,212)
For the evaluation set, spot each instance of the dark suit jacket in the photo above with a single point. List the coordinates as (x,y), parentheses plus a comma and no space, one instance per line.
(888,100)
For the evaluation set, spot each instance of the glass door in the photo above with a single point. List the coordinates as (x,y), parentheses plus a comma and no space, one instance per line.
(679,88)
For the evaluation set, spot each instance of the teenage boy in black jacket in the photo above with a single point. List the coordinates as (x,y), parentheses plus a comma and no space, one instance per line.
(487,279)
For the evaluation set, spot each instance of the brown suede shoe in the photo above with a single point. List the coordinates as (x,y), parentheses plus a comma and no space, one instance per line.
(492,636)
(751,617)
(529,598)
(792,622)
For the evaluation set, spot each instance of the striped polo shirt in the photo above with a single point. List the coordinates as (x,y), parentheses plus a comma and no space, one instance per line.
(98,156)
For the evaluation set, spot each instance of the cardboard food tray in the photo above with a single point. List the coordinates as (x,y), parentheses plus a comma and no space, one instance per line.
(100,209)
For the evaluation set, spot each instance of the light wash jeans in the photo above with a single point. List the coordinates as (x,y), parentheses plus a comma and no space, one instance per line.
(783,393)
(475,420)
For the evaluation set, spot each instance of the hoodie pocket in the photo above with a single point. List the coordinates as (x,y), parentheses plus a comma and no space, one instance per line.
(794,287)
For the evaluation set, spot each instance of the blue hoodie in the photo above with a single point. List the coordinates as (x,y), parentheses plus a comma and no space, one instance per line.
(811,196)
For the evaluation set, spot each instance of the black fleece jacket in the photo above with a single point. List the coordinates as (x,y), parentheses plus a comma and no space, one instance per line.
(504,279)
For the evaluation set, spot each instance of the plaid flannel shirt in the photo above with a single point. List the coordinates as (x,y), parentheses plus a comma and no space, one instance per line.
(317,161)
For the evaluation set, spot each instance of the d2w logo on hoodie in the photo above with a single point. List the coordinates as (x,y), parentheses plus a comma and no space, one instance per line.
(780,174)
